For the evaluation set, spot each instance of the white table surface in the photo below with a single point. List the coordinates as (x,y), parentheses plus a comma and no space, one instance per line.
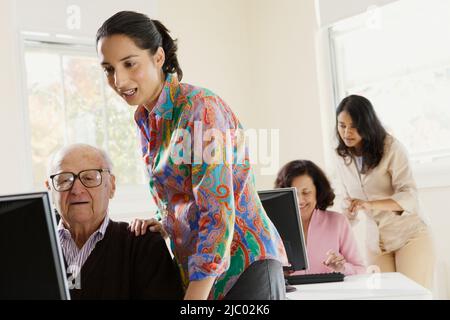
(375,286)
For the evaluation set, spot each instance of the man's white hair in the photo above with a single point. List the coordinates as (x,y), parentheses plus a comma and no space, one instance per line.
(57,156)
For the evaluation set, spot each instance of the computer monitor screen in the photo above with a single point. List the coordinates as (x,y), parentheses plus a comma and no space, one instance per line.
(282,208)
(31,263)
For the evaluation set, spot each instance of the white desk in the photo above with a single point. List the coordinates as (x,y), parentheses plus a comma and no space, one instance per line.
(375,286)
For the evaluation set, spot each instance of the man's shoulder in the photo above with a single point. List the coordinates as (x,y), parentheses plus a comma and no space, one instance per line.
(117,228)
(120,231)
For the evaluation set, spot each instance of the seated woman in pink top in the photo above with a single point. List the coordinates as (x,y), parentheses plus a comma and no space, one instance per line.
(330,243)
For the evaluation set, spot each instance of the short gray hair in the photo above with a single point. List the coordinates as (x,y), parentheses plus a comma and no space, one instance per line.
(58,155)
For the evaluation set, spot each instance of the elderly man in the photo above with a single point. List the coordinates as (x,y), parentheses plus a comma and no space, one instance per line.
(105,258)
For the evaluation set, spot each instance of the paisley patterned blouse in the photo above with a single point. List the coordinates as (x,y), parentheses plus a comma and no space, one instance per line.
(201,179)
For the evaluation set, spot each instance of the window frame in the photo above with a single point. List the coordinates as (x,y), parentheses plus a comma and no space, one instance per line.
(428,174)
(130,201)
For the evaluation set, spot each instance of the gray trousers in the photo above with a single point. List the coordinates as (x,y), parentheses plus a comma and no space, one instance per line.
(262,280)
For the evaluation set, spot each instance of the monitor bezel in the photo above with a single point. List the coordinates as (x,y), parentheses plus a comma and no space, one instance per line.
(292,190)
(52,231)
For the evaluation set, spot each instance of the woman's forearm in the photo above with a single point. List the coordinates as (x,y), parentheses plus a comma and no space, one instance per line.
(385,204)
(199,290)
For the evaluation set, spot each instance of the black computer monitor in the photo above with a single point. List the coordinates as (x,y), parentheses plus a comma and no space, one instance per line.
(31,263)
(282,208)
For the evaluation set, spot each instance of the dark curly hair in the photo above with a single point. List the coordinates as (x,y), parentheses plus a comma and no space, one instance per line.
(324,193)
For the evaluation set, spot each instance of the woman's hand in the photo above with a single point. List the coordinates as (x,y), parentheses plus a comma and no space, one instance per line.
(288,272)
(140,226)
(355,205)
(335,261)
(346,209)
(199,290)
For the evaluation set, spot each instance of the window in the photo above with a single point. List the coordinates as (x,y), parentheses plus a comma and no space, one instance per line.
(69,101)
(398,56)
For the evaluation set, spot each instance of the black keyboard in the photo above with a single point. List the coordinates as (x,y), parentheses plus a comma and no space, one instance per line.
(315,278)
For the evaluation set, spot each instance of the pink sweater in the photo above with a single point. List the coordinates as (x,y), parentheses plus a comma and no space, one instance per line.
(331,231)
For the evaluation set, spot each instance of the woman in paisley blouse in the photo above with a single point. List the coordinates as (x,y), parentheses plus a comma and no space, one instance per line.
(199,171)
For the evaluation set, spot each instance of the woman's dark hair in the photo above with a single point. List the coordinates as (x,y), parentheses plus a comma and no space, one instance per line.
(146,33)
(296,168)
(369,127)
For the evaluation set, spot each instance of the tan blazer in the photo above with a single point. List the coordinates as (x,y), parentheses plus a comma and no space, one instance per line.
(391,179)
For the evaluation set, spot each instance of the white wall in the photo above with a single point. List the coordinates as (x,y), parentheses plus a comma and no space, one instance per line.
(12,129)
(213,47)
(60,17)
(285,89)
(331,11)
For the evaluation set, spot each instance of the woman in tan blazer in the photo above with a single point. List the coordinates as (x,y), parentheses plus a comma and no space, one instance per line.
(377,179)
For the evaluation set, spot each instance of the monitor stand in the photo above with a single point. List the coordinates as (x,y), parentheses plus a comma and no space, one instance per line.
(287,271)
(289,288)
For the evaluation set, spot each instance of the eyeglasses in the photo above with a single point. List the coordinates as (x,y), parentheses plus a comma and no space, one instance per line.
(90,178)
